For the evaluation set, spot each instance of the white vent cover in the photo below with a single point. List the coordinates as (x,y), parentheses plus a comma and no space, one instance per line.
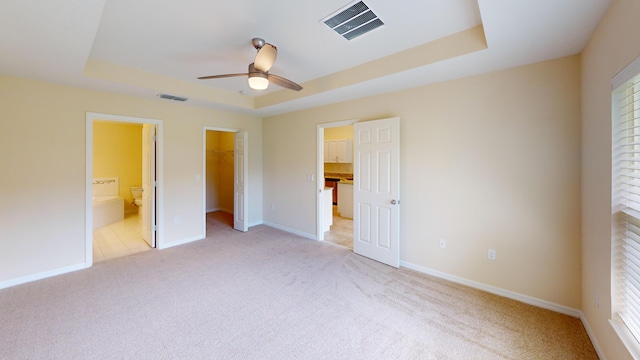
(355,20)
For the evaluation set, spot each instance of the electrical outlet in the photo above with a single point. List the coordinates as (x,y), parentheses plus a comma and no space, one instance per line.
(176,220)
(443,243)
(596,300)
(273,206)
(491,254)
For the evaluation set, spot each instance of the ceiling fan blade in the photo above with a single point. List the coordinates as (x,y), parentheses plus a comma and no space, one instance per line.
(285,83)
(221,76)
(266,57)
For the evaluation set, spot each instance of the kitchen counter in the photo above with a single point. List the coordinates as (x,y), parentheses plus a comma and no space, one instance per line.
(338,175)
(333,179)
(343,177)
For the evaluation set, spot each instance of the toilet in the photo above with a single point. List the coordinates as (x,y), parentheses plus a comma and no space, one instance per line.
(136,192)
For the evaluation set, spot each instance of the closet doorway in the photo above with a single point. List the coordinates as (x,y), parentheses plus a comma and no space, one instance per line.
(225,179)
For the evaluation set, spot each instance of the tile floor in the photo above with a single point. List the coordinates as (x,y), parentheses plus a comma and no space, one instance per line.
(119,239)
(341,232)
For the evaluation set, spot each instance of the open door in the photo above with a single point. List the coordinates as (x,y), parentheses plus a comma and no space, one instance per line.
(376,190)
(149,184)
(241,174)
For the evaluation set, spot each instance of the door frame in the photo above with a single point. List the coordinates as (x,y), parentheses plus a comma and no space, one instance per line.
(320,171)
(149,137)
(90,118)
(204,172)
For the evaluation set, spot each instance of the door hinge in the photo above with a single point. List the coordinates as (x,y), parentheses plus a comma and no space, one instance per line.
(155,228)
(154,183)
(154,137)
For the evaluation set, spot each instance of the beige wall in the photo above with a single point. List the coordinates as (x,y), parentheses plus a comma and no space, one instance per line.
(615,43)
(117,151)
(42,156)
(220,168)
(338,133)
(490,161)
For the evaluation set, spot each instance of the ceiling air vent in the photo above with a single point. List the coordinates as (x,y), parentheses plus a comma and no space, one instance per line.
(172,97)
(355,20)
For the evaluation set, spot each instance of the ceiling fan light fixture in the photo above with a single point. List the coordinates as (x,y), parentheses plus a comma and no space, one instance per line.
(258,72)
(258,81)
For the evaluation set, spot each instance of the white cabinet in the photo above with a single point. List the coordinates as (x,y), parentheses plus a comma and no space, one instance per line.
(345,201)
(338,151)
(327,215)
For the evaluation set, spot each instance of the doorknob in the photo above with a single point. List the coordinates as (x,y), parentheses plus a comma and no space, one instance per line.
(393,202)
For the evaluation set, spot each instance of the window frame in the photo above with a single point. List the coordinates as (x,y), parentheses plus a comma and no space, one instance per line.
(628,79)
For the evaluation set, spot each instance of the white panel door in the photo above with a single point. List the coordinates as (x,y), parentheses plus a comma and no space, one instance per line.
(376,190)
(241,181)
(149,184)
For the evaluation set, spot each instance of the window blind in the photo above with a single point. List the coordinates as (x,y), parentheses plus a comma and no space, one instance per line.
(626,202)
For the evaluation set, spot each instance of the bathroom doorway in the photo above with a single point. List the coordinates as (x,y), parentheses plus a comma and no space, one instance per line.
(225,174)
(127,151)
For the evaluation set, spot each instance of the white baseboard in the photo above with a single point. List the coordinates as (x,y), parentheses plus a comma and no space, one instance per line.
(514,296)
(592,336)
(256,223)
(180,242)
(497,291)
(43,275)
(289,230)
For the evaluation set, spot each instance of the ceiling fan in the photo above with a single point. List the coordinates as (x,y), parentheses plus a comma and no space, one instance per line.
(258,73)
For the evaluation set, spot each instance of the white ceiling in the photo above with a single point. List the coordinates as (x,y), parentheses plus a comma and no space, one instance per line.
(54,41)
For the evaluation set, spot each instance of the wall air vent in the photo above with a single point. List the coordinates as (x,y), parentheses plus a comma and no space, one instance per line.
(172,97)
(353,20)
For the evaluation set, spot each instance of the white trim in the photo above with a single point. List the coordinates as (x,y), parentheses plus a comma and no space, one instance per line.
(289,230)
(256,223)
(592,337)
(626,337)
(495,290)
(629,71)
(182,242)
(320,171)
(43,275)
(90,117)
(88,208)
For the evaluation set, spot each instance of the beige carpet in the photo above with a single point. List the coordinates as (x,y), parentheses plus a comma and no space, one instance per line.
(267,294)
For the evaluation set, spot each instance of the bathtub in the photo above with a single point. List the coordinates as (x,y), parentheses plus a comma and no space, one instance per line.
(107,209)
